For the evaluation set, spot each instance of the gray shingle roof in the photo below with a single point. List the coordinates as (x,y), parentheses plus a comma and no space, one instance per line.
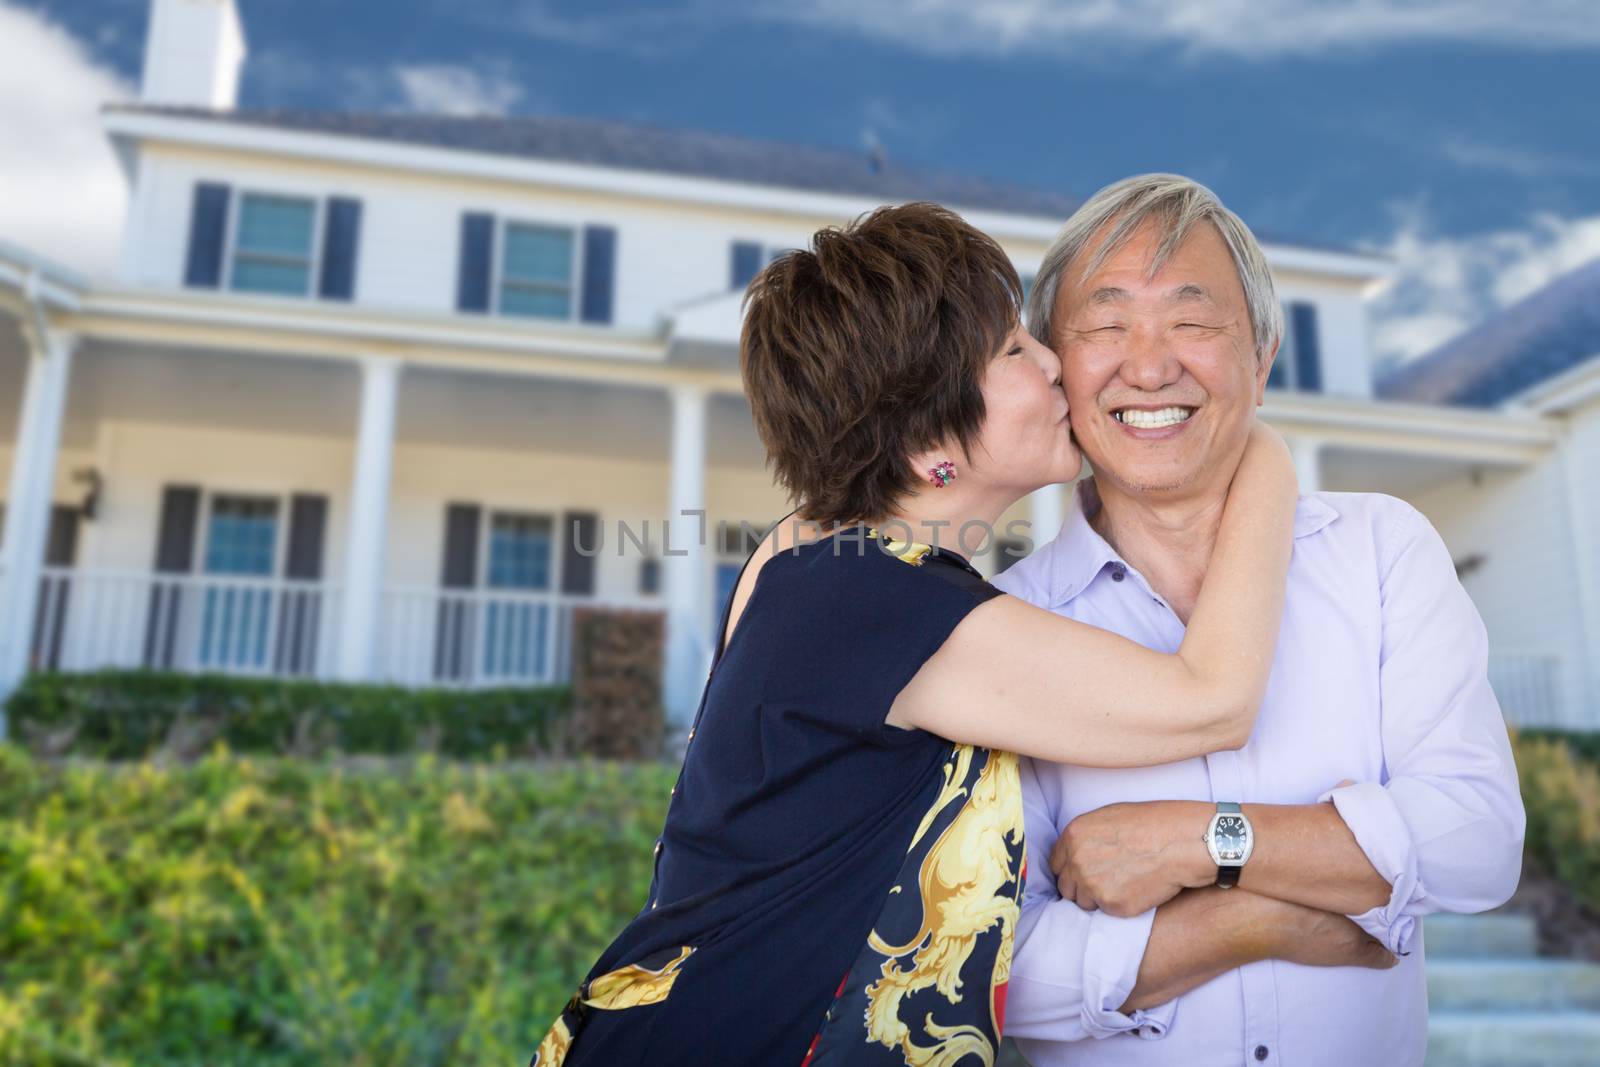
(648,148)
(666,151)
(1547,332)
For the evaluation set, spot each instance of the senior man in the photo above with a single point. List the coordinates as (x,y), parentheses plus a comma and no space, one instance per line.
(1218,910)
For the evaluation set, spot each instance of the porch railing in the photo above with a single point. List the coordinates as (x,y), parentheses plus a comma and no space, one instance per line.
(1530,687)
(482,637)
(92,618)
(88,619)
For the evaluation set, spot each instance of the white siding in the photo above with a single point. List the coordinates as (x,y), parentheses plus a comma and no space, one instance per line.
(1524,588)
(667,254)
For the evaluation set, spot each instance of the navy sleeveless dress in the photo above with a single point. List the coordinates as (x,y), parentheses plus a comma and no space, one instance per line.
(829,889)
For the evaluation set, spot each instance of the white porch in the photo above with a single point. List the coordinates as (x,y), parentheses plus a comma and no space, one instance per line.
(391,451)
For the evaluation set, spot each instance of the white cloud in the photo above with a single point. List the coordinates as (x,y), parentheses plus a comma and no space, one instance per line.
(1444,285)
(1516,162)
(451,89)
(62,193)
(1234,27)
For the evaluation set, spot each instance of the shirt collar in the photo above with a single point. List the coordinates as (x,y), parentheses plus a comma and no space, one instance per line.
(1078,554)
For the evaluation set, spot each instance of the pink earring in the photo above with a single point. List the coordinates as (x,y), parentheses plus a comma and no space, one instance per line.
(942,475)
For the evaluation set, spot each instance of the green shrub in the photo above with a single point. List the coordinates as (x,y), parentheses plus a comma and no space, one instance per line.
(131,714)
(1585,743)
(1561,794)
(280,912)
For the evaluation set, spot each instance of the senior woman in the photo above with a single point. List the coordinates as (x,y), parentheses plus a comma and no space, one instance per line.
(839,873)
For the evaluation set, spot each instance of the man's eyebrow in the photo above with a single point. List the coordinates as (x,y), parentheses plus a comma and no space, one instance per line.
(1190,291)
(1107,295)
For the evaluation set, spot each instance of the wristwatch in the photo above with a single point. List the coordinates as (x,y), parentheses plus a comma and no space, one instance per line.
(1230,840)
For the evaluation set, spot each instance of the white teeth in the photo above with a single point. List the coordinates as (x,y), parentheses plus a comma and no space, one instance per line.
(1151,420)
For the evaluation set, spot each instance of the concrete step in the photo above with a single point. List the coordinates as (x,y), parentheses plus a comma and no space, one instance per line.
(1476,936)
(1496,1039)
(1507,985)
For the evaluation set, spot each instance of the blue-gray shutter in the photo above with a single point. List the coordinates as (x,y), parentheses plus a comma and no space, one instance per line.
(453,631)
(1307,351)
(599,272)
(300,608)
(477,262)
(180,515)
(55,590)
(580,546)
(744,263)
(208,231)
(341,236)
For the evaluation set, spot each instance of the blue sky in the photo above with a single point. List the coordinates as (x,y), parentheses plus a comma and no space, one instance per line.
(1444,130)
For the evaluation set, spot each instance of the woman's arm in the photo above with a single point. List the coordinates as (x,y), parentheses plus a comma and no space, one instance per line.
(1015,677)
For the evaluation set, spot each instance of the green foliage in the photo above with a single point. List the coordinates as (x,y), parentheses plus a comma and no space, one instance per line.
(1561,794)
(130,714)
(1584,743)
(278,912)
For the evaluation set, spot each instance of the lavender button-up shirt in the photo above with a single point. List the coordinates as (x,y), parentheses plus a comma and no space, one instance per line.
(1379,677)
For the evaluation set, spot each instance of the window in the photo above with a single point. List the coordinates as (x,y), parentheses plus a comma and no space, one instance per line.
(735,542)
(746,258)
(650,576)
(241,541)
(537,266)
(520,549)
(1299,363)
(272,246)
(516,631)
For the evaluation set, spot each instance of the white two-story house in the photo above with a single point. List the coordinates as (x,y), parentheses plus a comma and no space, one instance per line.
(367,392)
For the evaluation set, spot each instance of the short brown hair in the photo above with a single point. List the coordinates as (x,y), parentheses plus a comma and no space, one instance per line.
(870,346)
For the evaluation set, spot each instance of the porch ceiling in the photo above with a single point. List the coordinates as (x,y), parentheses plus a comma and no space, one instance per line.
(1359,471)
(266,393)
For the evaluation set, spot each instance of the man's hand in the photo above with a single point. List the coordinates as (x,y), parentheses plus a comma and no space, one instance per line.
(1129,858)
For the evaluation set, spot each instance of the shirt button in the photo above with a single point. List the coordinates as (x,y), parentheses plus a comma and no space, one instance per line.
(1118,572)
(691,735)
(658,848)
(1261,1052)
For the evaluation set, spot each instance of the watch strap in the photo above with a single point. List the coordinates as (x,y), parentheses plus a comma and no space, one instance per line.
(1228,875)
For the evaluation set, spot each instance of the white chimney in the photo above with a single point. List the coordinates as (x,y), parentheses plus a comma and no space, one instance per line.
(192,54)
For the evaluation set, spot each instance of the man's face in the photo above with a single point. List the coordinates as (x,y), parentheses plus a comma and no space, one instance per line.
(1160,372)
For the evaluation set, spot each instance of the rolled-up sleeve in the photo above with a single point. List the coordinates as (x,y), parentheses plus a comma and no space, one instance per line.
(1445,826)
(1071,970)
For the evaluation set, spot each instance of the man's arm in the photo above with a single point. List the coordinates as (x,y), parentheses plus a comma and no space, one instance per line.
(1077,973)
(1443,831)
(1202,933)
(1446,827)
(1127,858)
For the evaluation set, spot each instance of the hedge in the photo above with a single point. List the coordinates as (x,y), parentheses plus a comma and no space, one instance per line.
(1561,794)
(277,911)
(131,714)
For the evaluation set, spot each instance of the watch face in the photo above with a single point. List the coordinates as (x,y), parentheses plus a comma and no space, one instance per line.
(1229,837)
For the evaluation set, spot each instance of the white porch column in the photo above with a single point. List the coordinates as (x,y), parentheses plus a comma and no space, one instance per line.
(1047,510)
(686,578)
(1307,452)
(27,521)
(369,520)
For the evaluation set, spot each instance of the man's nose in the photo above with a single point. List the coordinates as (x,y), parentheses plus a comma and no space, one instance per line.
(1150,363)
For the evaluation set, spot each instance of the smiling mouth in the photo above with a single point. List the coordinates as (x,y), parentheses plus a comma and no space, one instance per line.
(1153,420)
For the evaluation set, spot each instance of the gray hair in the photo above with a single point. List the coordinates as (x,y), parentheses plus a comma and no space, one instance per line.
(1176,204)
